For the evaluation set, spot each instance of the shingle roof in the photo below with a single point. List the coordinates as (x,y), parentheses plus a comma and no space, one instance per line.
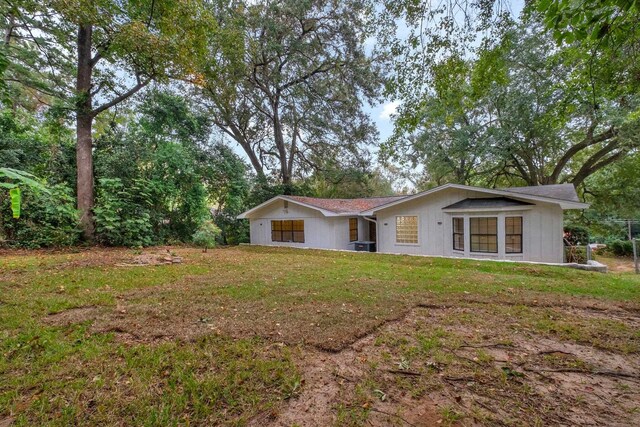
(563,194)
(553,191)
(488,202)
(343,206)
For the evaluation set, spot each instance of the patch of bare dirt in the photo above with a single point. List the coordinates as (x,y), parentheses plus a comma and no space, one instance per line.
(512,359)
(151,259)
(74,315)
(618,264)
(465,366)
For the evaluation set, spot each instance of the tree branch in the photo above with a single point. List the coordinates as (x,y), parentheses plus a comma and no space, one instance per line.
(118,99)
(588,141)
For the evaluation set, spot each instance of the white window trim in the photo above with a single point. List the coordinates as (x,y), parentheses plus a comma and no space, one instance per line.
(501,215)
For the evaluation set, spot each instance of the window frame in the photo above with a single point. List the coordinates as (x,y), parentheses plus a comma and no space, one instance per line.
(507,234)
(351,230)
(417,242)
(458,233)
(290,230)
(472,234)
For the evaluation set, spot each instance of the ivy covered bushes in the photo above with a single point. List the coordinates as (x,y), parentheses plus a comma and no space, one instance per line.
(123,213)
(47,219)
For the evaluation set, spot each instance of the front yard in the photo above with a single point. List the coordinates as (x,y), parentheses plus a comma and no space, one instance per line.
(266,336)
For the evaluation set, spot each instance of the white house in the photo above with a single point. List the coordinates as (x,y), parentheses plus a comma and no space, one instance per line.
(520,224)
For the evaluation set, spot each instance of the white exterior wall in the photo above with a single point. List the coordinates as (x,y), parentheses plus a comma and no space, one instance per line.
(319,231)
(542,228)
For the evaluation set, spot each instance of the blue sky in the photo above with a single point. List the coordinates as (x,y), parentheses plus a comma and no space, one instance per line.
(381,116)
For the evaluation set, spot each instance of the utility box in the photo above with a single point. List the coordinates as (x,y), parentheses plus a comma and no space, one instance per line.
(365,246)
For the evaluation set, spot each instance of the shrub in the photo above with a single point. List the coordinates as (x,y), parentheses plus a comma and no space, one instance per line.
(122,213)
(233,231)
(47,219)
(576,235)
(621,247)
(206,235)
(577,254)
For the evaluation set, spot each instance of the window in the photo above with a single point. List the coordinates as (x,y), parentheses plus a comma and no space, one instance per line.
(406,229)
(287,231)
(458,234)
(353,229)
(484,234)
(513,235)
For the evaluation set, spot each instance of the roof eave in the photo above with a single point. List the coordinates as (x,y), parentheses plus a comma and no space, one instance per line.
(247,214)
(489,209)
(564,204)
(573,205)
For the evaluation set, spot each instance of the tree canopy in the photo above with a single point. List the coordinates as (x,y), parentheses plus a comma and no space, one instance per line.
(295,98)
(148,119)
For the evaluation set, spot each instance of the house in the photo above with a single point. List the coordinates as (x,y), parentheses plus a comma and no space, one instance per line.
(519,223)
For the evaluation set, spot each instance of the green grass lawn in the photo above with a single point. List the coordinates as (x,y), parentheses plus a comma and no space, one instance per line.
(88,339)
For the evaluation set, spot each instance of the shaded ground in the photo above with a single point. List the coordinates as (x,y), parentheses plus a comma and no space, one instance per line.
(617,265)
(266,336)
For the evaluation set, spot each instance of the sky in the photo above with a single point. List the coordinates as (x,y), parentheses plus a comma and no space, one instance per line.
(382,117)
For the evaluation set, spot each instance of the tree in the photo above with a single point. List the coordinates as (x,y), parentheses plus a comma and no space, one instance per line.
(340,182)
(522,112)
(167,148)
(206,235)
(114,48)
(296,97)
(607,21)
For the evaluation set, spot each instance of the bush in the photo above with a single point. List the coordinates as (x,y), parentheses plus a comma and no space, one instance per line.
(206,235)
(621,247)
(576,235)
(122,214)
(47,220)
(577,254)
(233,231)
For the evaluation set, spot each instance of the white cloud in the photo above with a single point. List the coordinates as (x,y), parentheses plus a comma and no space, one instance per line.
(389,109)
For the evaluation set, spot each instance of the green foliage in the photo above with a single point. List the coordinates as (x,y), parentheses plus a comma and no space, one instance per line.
(519,111)
(293,98)
(169,146)
(576,235)
(122,213)
(16,178)
(346,182)
(621,247)
(589,20)
(206,235)
(48,219)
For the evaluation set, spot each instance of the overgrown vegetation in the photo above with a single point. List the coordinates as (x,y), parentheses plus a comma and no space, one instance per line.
(502,97)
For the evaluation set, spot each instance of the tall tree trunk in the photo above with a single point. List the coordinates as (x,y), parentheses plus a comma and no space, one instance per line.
(84,125)
(280,145)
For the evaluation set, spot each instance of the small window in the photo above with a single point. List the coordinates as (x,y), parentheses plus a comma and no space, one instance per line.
(287,231)
(458,234)
(513,235)
(406,229)
(353,229)
(484,234)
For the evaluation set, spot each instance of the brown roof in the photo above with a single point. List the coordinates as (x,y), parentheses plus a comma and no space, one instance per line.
(343,206)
